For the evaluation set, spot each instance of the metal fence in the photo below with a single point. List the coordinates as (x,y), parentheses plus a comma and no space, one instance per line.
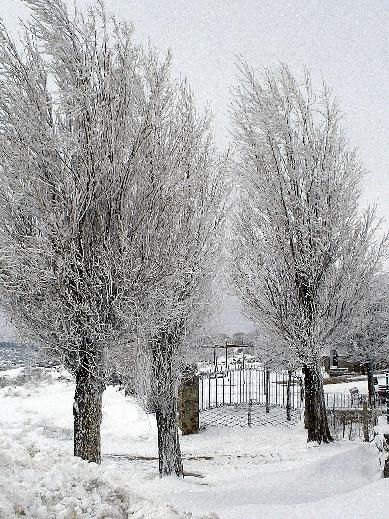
(351,416)
(353,423)
(255,396)
(242,386)
(349,401)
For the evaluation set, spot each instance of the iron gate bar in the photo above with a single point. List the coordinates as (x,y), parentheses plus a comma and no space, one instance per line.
(209,392)
(276,388)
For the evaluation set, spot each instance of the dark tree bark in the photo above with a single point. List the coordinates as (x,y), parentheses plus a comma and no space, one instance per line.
(370,383)
(315,417)
(87,409)
(288,397)
(169,452)
(165,401)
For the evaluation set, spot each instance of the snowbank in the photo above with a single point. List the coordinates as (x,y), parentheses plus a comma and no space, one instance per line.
(39,477)
(51,484)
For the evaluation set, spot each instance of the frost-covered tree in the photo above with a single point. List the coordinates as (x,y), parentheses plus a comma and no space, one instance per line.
(303,253)
(184,236)
(76,114)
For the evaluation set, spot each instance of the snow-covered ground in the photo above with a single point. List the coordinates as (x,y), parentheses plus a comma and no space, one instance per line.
(235,473)
(361,385)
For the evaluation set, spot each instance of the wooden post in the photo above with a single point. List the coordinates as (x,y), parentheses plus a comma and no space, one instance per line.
(288,395)
(365,419)
(351,426)
(267,391)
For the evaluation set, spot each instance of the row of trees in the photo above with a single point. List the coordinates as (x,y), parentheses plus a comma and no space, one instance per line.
(112,215)
(111,203)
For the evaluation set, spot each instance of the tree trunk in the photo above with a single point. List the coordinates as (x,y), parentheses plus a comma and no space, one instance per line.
(87,410)
(288,397)
(169,452)
(370,383)
(165,399)
(315,410)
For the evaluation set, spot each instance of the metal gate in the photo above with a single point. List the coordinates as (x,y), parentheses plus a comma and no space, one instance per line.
(250,385)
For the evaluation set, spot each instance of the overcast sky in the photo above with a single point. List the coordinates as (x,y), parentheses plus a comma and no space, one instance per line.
(346,42)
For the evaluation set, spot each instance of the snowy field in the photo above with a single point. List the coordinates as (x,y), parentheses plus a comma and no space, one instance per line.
(234,472)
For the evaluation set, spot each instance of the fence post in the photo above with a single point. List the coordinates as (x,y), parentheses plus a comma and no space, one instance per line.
(231,381)
(224,374)
(250,384)
(387,397)
(240,385)
(365,419)
(249,413)
(288,391)
(276,388)
(267,390)
(209,391)
(216,379)
(351,427)
(201,405)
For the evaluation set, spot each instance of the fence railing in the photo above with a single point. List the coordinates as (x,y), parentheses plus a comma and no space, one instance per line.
(348,401)
(349,415)
(353,423)
(259,386)
(242,386)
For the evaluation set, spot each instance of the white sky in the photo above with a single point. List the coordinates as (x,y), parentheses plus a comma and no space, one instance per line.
(346,42)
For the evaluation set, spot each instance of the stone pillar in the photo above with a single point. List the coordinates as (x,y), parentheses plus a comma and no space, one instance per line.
(188,403)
